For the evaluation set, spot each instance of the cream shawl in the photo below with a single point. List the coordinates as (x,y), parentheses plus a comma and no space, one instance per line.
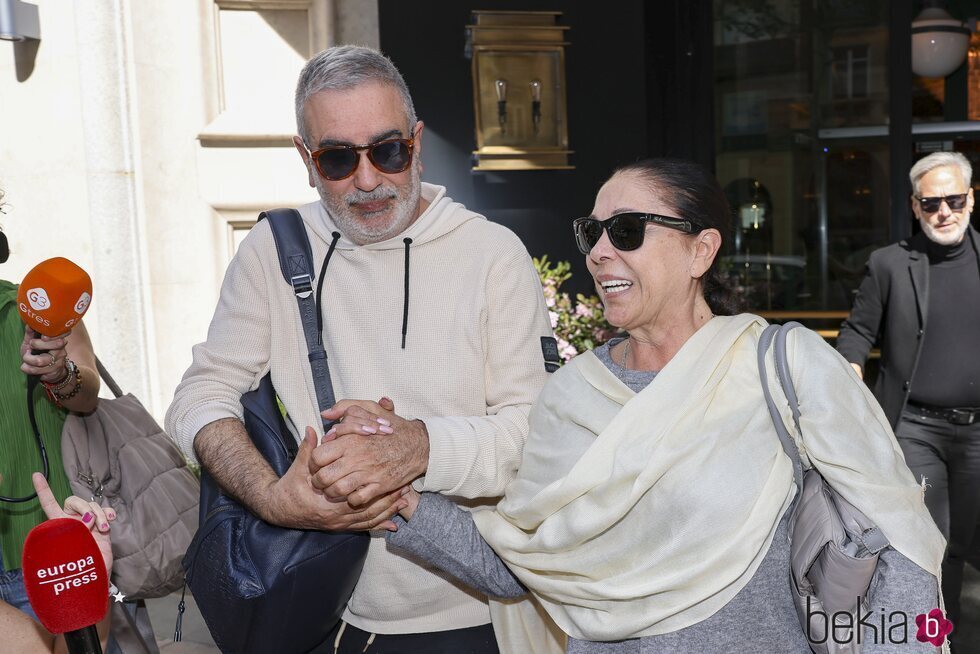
(641,514)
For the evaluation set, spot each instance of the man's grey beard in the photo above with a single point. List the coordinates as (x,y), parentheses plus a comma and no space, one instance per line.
(361,232)
(946,239)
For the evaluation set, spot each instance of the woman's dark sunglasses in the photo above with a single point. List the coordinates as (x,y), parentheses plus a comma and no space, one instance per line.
(955,202)
(626,230)
(337,162)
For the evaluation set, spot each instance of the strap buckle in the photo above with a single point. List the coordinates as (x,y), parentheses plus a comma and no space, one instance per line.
(962,416)
(302,285)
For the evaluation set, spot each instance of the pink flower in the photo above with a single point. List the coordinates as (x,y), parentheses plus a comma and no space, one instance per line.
(582,311)
(554,319)
(566,349)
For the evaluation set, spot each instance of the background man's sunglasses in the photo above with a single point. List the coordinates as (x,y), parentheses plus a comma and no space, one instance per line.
(931,205)
(626,230)
(337,162)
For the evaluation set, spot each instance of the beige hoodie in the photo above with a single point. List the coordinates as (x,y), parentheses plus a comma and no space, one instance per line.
(471,367)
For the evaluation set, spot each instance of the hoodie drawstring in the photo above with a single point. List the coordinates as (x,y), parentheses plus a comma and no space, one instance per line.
(319,286)
(408,242)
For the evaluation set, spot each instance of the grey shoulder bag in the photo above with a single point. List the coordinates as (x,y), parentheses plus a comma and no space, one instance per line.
(833,546)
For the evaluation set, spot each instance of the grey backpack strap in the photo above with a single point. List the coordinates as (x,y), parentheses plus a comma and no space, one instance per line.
(871,538)
(296,263)
(785,439)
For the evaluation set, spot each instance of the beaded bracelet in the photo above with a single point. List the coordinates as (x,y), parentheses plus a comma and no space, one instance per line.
(70,370)
(75,389)
(74,377)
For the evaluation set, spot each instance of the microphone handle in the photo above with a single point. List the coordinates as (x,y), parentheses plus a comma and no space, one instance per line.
(83,641)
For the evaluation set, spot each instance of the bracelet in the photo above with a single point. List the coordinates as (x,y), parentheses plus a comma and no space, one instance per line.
(74,391)
(70,370)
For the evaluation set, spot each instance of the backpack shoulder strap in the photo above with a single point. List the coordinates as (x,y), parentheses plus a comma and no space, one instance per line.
(869,537)
(293,247)
(296,263)
(777,333)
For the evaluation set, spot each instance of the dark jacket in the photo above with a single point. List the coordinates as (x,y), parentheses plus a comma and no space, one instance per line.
(890,309)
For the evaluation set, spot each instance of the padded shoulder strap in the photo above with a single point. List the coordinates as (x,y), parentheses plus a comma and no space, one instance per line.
(293,246)
(296,263)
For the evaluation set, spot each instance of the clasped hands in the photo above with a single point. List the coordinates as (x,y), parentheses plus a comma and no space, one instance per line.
(361,471)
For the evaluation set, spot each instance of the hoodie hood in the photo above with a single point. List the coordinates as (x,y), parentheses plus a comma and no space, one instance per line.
(441,217)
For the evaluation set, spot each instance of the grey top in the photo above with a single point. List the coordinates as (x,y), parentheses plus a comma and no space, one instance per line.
(760,618)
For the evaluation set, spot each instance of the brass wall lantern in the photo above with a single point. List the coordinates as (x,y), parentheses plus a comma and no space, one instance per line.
(519,90)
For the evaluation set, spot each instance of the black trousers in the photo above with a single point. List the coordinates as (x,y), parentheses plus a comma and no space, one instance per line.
(473,640)
(948,456)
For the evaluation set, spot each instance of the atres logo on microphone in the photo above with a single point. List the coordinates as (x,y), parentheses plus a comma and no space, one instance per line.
(82,303)
(38,298)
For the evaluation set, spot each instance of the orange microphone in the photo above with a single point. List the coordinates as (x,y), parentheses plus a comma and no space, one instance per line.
(53,296)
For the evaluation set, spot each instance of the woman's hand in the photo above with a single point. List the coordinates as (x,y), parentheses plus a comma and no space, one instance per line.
(50,365)
(91,514)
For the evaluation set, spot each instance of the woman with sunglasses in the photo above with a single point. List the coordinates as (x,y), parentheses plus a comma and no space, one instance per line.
(650,511)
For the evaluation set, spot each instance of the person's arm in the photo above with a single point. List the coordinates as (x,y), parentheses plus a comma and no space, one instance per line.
(52,366)
(471,456)
(205,418)
(859,332)
(226,451)
(435,529)
(477,456)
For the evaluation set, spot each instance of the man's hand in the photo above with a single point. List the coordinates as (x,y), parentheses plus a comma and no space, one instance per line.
(370,453)
(293,502)
(858,370)
(228,454)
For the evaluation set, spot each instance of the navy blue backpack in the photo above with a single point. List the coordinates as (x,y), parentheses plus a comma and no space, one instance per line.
(262,588)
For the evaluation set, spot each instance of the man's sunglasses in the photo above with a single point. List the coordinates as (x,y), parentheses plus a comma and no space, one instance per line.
(626,230)
(337,162)
(955,202)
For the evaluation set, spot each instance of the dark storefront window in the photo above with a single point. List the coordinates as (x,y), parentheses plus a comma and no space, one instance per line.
(801,99)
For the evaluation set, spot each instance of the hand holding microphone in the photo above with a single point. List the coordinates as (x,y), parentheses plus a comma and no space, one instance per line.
(45,356)
(66,576)
(51,299)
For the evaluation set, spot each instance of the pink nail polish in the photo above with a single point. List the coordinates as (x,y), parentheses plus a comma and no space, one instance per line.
(368,429)
(87,517)
(104,526)
(386,430)
(382,421)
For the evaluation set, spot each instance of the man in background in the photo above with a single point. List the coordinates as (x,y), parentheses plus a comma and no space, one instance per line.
(920,303)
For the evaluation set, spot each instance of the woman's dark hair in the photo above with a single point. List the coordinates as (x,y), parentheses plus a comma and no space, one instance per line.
(693,194)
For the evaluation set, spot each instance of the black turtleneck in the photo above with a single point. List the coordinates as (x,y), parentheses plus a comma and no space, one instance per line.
(948,372)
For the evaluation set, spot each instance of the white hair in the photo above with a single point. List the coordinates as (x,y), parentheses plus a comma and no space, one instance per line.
(938,160)
(345,67)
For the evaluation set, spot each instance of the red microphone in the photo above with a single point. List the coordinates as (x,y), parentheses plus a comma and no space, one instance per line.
(66,582)
(53,296)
